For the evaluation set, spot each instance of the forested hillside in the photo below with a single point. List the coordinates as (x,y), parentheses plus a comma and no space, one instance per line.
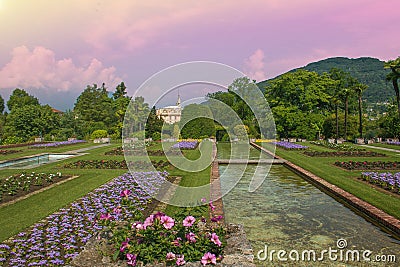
(367,70)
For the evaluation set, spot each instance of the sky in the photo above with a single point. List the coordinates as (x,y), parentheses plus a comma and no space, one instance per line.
(54,48)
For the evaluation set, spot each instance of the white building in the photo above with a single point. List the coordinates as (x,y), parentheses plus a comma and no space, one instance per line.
(171,114)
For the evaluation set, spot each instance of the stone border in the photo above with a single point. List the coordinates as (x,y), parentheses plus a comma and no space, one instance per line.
(37,191)
(215,187)
(373,213)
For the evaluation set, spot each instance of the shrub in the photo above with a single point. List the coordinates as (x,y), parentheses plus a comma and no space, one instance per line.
(99,134)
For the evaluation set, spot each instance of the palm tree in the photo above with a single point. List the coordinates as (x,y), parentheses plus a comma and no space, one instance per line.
(335,100)
(346,93)
(359,89)
(394,76)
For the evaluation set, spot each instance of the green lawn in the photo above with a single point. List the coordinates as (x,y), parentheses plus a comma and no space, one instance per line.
(26,151)
(16,217)
(347,180)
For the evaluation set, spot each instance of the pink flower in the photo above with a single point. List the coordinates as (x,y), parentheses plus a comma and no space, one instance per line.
(167,221)
(170,256)
(176,242)
(105,216)
(138,226)
(204,200)
(131,259)
(125,193)
(117,210)
(124,245)
(208,258)
(191,237)
(215,239)
(180,260)
(212,206)
(149,221)
(189,221)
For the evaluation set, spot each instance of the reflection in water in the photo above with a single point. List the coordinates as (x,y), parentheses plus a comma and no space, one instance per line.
(287,212)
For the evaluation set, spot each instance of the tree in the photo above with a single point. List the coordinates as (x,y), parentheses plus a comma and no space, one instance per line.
(344,84)
(336,101)
(359,89)
(2,107)
(394,66)
(93,105)
(154,124)
(20,98)
(31,120)
(120,91)
(195,122)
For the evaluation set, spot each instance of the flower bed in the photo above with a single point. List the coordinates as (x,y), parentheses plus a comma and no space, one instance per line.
(368,165)
(387,180)
(22,184)
(7,151)
(57,144)
(395,143)
(141,152)
(62,235)
(289,145)
(343,154)
(185,145)
(341,147)
(115,164)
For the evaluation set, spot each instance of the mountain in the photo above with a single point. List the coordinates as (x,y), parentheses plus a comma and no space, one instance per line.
(367,70)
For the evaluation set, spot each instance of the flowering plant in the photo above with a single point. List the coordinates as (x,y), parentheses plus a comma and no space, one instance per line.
(175,241)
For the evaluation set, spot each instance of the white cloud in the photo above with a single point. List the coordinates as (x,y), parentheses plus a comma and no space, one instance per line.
(39,68)
(254,66)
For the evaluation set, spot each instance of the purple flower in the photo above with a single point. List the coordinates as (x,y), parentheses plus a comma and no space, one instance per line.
(208,258)
(212,206)
(204,200)
(124,245)
(131,259)
(216,218)
(189,221)
(105,216)
(215,239)
(180,260)
(167,221)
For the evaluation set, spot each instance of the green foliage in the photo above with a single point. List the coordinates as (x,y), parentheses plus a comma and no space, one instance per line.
(198,127)
(20,98)
(390,123)
(2,107)
(94,105)
(31,120)
(153,124)
(329,127)
(12,140)
(241,131)
(299,102)
(156,136)
(99,134)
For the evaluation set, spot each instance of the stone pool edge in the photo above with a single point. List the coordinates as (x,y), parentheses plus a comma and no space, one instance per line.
(378,215)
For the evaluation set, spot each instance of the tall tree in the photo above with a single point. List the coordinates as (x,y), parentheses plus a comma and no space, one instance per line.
(120,91)
(2,107)
(359,89)
(336,102)
(154,124)
(31,120)
(19,98)
(394,76)
(93,105)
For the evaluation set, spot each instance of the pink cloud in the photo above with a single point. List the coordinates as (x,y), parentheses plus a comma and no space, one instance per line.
(39,68)
(254,66)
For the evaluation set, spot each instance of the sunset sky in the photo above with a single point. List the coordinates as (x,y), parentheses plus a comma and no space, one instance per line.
(54,48)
